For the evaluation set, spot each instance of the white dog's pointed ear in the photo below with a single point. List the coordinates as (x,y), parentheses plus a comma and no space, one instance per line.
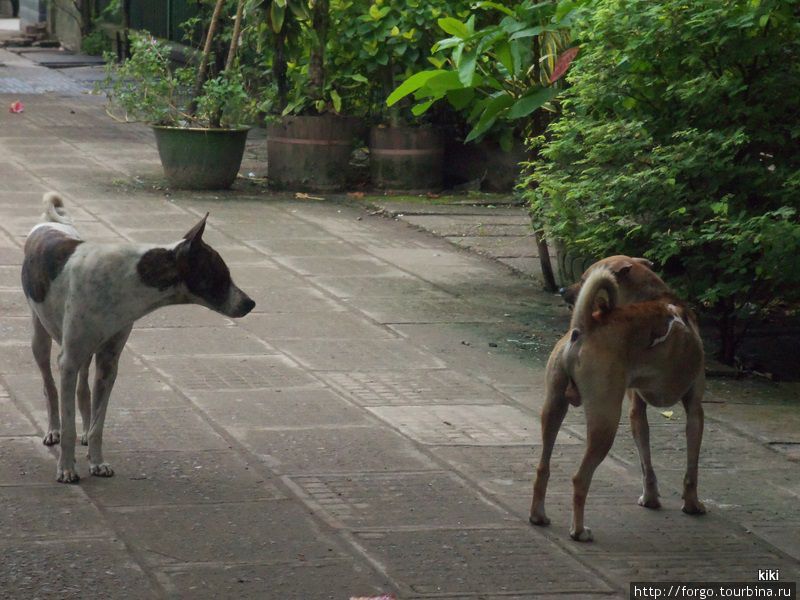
(195,234)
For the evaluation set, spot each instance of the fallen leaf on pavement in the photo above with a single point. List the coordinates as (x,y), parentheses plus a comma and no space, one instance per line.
(302,196)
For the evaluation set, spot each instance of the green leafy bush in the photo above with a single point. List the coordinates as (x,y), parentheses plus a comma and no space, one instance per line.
(378,43)
(149,87)
(679,141)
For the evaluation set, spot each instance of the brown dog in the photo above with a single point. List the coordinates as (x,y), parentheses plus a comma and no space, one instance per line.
(628,332)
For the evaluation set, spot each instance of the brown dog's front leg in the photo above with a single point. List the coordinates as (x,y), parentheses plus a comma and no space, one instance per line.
(694,437)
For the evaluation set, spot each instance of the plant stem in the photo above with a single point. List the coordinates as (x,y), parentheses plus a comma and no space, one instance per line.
(202,70)
(237,28)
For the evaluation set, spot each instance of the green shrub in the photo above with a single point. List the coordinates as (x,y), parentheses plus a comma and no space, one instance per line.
(679,141)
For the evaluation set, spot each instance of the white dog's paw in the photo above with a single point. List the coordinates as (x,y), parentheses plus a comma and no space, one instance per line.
(68,476)
(52,437)
(584,535)
(101,470)
(84,439)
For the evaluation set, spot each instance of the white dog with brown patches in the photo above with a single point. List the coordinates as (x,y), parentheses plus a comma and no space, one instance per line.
(86,296)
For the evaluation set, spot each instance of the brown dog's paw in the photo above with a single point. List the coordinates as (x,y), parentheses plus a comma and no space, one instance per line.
(584,535)
(649,502)
(695,507)
(539,520)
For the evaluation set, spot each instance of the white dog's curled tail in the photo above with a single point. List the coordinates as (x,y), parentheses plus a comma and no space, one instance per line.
(54,211)
(589,300)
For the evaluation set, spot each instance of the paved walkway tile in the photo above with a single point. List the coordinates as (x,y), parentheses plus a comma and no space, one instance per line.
(467,562)
(387,501)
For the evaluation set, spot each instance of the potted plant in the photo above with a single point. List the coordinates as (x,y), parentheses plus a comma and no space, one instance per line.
(309,143)
(383,42)
(197,110)
(497,67)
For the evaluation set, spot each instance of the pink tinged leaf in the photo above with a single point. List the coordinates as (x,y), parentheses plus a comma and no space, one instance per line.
(16,107)
(563,62)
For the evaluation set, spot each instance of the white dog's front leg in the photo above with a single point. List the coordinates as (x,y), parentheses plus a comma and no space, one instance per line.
(67,472)
(106,363)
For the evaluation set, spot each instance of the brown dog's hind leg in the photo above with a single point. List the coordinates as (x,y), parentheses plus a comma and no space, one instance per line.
(553,412)
(641,435)
(601,428)
(692,402)
(552,416)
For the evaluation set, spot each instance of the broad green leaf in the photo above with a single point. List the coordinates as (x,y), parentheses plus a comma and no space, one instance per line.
(503,53)
(495,6)
(460,98)
(447,43)
(530,102)
(300,9)
(526,33)
(443,83)
(454,27)
(360,78)
(471,24)
(466,70)
(336,99)
(276,16)
(421,108)
(494,107)
(412,84)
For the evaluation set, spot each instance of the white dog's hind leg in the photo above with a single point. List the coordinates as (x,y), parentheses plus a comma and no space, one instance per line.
(41,345)
(106,363)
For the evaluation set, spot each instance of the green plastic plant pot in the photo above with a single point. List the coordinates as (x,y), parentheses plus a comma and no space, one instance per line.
(198,158)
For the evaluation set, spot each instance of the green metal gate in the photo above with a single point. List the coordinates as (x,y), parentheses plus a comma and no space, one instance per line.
(162,18)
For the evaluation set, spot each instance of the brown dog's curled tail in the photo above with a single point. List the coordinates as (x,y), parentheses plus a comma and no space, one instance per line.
(583,315)
(54,209)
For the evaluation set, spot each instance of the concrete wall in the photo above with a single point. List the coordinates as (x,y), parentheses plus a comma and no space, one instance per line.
(63,23)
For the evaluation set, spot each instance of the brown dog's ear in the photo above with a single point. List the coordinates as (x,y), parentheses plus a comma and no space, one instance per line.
(621,269)
(195,234)
(644,261)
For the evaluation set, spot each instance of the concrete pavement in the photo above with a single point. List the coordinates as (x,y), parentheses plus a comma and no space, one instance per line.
(370,428)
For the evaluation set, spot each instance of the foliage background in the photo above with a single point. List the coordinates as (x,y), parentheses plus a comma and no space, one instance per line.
(679,141)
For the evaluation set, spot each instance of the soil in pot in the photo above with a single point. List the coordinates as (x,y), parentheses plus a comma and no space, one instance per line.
(200,159)
(407,159)
(310,153)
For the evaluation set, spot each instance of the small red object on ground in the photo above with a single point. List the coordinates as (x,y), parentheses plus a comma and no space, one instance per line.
(16,107)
